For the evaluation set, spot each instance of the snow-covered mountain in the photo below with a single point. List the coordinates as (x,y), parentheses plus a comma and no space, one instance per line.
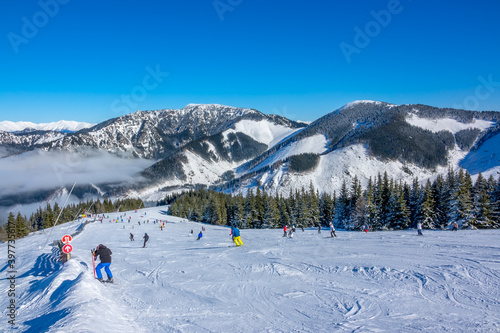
(364,138)
(237,149)
(59,126)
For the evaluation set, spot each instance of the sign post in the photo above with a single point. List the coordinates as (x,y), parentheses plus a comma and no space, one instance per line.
(67,239)
(67,248)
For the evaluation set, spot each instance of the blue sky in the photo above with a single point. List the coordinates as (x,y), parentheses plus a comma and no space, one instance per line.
(94,60)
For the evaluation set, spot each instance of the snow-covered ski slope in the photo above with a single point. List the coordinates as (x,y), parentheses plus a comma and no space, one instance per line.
(363,282)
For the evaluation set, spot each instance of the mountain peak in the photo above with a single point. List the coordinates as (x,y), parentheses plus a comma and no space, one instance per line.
(366,101)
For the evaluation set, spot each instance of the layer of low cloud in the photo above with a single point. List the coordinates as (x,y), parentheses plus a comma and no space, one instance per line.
(44,170)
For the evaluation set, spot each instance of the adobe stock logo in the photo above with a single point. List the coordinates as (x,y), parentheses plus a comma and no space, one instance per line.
(31,27)
(222,6)
(372,29)
(128,102)
(483,91)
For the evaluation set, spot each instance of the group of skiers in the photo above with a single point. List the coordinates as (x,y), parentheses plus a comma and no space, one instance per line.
(104,253)
(146,238)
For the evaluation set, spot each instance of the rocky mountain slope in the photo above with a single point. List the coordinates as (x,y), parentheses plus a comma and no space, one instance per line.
(237,149)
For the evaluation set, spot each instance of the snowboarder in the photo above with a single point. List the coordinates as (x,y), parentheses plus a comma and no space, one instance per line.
(284,231)
(199,236)
(105,256)
(235,232)
(332,230)
(455,226)
(419,229)
(146,238)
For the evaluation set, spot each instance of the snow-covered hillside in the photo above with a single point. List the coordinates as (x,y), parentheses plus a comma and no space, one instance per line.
(58,126)
(365,282)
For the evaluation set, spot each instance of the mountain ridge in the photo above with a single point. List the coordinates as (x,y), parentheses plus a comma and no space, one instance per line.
(237,149)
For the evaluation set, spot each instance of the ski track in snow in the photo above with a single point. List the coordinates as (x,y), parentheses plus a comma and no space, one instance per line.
(357,282)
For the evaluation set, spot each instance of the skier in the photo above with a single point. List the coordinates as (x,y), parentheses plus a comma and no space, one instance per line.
(319,229)
(235,232)
(146,238)
(131,236)
(199,236)
(419,229)
(366,228)
(105,256)
(455,226)
(284,231)
(332,230)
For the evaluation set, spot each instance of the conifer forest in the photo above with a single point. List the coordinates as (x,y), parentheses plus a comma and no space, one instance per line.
(384,204)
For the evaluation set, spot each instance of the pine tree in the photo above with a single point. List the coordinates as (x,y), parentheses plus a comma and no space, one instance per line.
(20,226)
(272,214)
(341,207)
(371,211)
(314,207)
(461,203)
(326,209)
(428,207)
(482,212)
(399,212)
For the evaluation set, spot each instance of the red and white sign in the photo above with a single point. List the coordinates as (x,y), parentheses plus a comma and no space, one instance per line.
(67,248)
(67,239)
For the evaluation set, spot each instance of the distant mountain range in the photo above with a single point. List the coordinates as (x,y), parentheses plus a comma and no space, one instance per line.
(237,149)
(59,126)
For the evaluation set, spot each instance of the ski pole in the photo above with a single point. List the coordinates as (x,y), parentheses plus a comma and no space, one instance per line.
(93,261)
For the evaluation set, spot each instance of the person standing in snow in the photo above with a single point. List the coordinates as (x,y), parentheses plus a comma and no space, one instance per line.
(199,236)
(455,226)
(131,236)
(319,229)
(235,232)
(104,255)
(419,229)
(284,231)
(332,230)
(146,238)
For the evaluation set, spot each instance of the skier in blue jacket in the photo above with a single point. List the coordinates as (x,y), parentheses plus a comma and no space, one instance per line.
(235,232)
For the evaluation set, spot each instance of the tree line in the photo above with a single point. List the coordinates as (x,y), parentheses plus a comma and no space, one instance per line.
(46,217)
(383,204)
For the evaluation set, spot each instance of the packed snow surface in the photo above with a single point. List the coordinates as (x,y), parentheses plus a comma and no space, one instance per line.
(364,282)
(447,124)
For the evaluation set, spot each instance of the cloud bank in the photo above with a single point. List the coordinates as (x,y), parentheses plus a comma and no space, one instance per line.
(44,170)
